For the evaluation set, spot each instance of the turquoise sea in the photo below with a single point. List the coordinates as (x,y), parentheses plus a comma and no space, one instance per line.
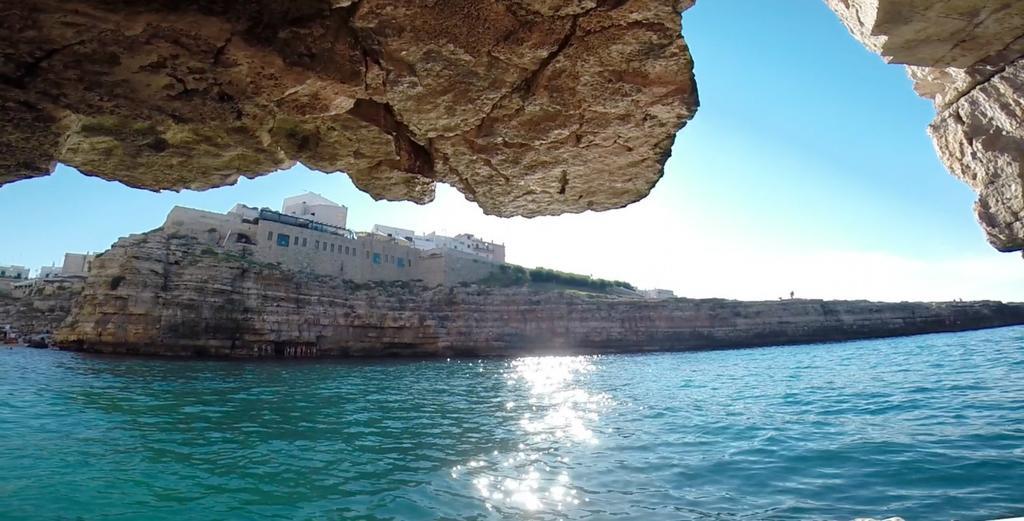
(926,428)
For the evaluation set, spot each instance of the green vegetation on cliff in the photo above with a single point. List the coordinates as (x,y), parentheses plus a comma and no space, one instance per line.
(510,275)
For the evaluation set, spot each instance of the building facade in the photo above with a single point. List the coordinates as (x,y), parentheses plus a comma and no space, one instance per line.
(77,263)
(316,207)
(464,243)
(657,293)
(304,244)
(13,272)
(49,272)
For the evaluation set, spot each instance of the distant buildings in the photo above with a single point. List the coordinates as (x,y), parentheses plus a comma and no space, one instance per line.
(657,293)
(464,242)
(49,272)
(10,275)
(13,272)
(14,280)
(316,207)
(77,263)
(309,234)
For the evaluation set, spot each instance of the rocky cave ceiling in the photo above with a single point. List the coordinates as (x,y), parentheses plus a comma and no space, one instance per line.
(528,107)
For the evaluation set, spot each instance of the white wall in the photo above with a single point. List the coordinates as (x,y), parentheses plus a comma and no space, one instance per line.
(400,233)
(316,207)
(76,264)
(14,272)
(49,271)
(361,258)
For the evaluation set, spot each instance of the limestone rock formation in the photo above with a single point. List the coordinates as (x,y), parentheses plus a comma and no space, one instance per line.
(529,107)
(968,57)
(43,309)
(167,295)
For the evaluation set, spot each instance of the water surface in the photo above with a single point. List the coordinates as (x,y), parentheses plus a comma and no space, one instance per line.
(928,427)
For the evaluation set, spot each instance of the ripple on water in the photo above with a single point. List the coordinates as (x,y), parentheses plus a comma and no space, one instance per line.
(922,427)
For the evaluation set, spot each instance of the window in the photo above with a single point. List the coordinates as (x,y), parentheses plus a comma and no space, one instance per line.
(332,247)
(317,246)
(401,262)
(303,242)
(346,250)
(367,254)
(410,263)
(283,240)
(296,240)
(270,236)
(376,258)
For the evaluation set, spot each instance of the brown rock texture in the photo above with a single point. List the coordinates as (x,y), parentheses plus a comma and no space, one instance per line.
(529,107)
(968,57)
(43,309)
(162,295)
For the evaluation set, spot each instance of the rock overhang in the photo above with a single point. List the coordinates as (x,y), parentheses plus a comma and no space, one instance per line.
(528,107)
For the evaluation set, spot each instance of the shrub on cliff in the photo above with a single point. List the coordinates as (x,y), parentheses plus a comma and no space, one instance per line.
(510,275)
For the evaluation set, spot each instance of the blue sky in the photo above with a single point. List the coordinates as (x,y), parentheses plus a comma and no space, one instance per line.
(807,168)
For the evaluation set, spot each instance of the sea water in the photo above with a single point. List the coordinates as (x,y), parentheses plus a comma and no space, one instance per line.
(925,428)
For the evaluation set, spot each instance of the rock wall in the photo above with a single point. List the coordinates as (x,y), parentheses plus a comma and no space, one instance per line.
(529,107)
(968,57)
(43,309)
(155,294)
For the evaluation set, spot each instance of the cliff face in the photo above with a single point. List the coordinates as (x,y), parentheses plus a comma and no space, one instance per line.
(154,294)
(529,107)
(43,309)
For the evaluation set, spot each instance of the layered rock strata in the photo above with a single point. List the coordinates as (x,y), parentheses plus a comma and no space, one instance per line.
(528,107)
(42,310)
(154,294)
(968,57)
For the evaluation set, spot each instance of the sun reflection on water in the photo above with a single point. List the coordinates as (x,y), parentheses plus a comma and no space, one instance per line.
(556,415)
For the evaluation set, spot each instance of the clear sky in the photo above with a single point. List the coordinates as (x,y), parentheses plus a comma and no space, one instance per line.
(807,169)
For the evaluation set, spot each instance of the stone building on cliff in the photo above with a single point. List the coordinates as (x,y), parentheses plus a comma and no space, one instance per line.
(309,234)
(465,243)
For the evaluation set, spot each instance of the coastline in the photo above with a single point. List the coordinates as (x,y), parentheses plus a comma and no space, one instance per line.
(185,352)
(161,295)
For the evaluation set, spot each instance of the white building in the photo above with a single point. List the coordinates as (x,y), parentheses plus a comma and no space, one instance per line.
(464,242)
(393,232)
(246,212)
(657,293)
(308,244)
(315,207)
(48,272)
(13,272)
(77,263)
